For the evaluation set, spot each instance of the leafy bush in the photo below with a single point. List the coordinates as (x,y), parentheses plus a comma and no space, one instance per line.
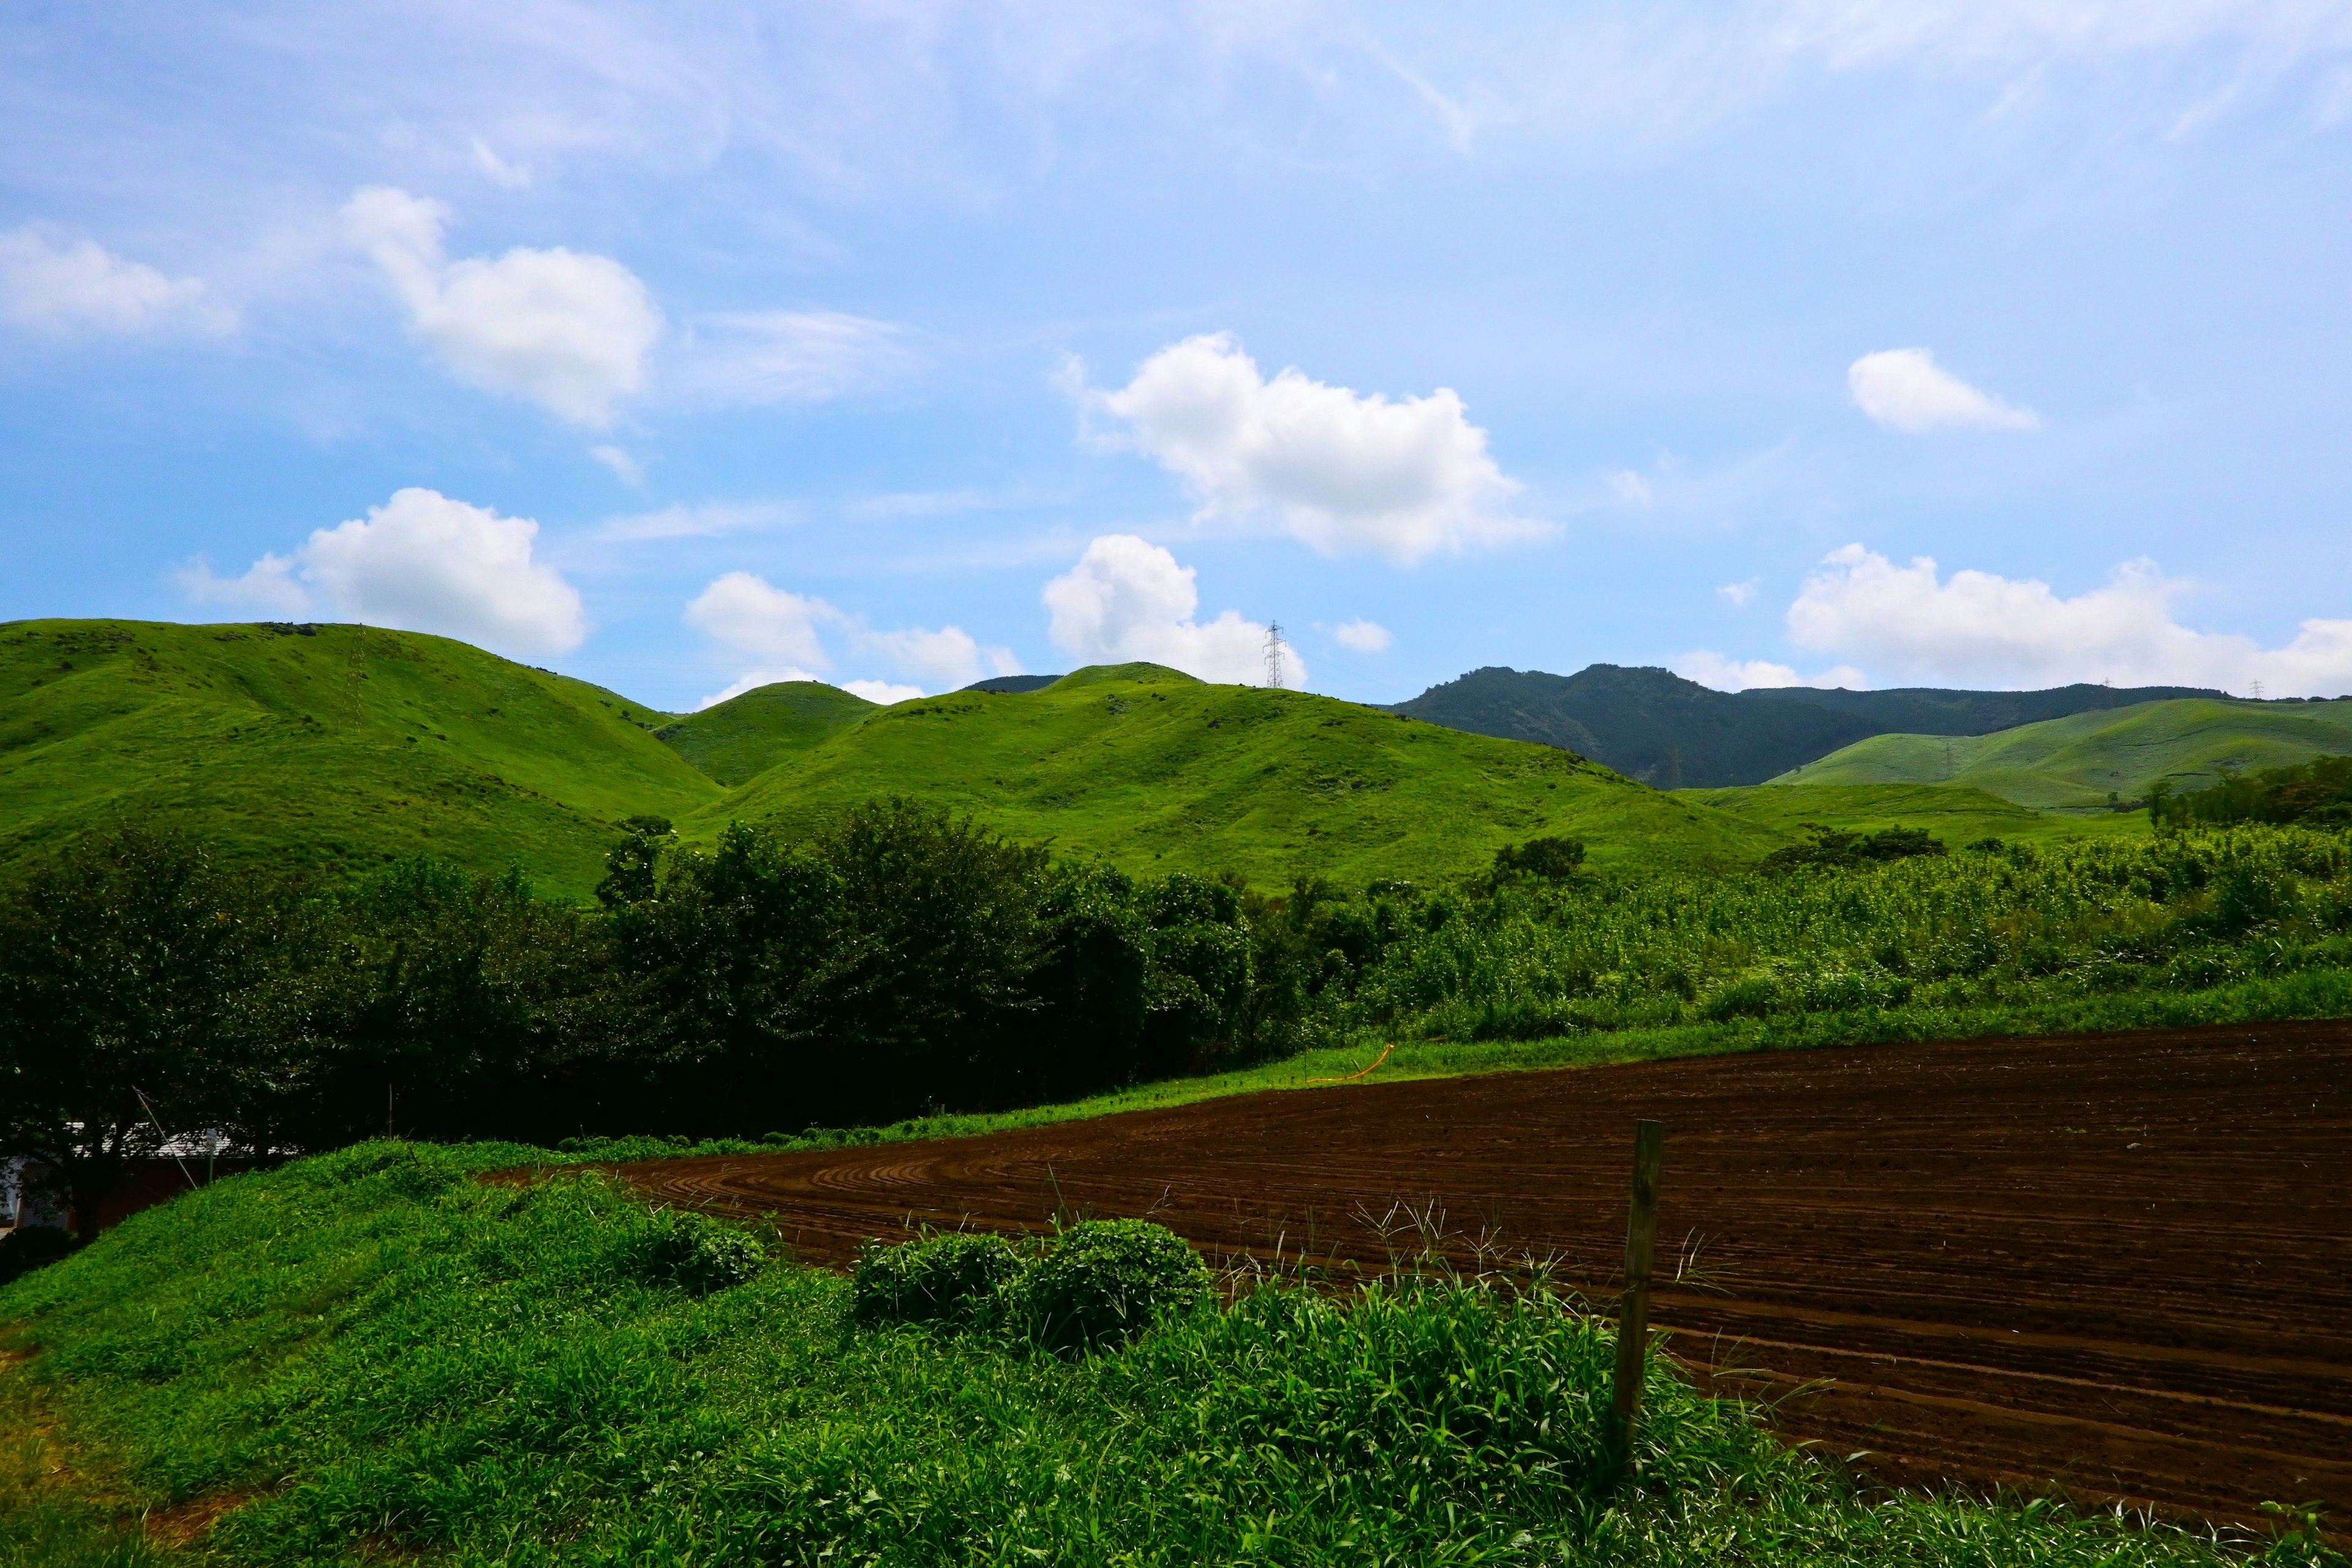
(694,1252)
(963,1278)
(27,1248)
(1545,859)
(1831,847)
(1107,1281)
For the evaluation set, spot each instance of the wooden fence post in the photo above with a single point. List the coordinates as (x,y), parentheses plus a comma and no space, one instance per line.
(1634,1305)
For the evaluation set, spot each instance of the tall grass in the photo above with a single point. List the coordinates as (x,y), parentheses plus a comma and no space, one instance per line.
(384,1358)
(1943,935)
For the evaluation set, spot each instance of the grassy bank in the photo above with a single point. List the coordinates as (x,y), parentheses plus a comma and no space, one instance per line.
(369,1356)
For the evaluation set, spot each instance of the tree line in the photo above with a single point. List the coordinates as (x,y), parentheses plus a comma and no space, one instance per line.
(900,962)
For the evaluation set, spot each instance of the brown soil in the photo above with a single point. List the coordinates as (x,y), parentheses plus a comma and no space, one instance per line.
(2119,1263)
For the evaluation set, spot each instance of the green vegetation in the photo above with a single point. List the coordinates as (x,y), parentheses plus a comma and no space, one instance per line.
(1957,814)
(732,741)
(1153,770)
(2318,792)
(2098,761)
(368,1356)
(334,747)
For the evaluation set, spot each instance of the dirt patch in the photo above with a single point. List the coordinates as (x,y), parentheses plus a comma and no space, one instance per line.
(2119,1263)
(185,1521)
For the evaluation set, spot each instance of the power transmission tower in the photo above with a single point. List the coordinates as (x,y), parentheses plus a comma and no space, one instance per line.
(1274,653)
(2258,691)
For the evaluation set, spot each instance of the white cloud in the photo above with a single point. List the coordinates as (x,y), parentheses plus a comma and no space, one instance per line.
(784,633)
(1741,675)
(1632,489)
(1364,636)
(625,468)
(947,658)
(268,585)
(1740,594)
(421,562)
(745,615)
(705,522)
(569,331)
(791,356)
(1979,628)
(1342,472)
(881,691)
(1128,599)
(53,284)
(498,171)
(1905,390)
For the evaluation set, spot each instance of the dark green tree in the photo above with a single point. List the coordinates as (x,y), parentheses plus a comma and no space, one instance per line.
(133,974)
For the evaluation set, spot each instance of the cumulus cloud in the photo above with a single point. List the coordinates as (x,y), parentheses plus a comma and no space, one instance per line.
(421,562)
(1741,595)
(791,356)
(1905,390)
(1128,599)
(782,635)
(950,657)
(1341,471)
(1741,675)
(747,615)
(1364,636)
(53,284)
(569,331)
(1980,629)
(881,691)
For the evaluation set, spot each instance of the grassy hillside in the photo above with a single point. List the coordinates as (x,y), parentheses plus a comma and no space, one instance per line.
(335,746)
(2074,764)
(1652,725)
(1156,771)
(751,733)
(1956,813)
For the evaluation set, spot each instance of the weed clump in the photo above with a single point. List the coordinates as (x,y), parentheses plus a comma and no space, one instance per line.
(1107,1281)
(693,1252)
(964,1277)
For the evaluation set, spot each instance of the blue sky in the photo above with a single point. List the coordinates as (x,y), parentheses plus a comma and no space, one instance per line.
(2001,343)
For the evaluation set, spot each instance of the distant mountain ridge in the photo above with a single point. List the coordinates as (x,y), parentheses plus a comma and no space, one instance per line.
(1652,725)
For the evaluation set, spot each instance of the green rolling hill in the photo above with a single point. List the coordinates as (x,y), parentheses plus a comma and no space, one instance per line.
(1154,770)
(336,747)
(752,732)
(339,747)
(2074,764)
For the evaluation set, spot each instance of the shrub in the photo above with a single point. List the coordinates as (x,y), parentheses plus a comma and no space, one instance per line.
(1108,1281)
(694,1252)
(26,1248)
(1545,859)
(961,1278)
(1749,996)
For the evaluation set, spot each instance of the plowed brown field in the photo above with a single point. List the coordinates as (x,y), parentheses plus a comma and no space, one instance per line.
(2119,1262)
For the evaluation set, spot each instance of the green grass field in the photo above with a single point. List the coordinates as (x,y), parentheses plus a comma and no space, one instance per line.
(2074,764)
(369,1357)
(1956,813)
(1155,771)
(339,750)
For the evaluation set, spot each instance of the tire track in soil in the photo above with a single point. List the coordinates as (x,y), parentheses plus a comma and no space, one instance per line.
(2118,1262)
